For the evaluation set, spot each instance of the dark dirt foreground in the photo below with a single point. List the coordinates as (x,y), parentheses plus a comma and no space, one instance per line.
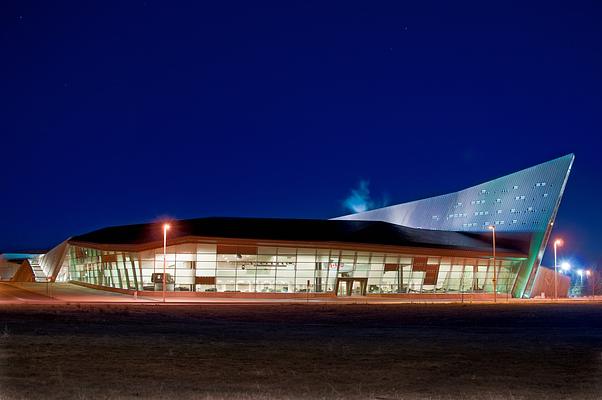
(521,351)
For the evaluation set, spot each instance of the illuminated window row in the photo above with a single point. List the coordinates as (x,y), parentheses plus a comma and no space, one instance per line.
(283,270)
(459,215)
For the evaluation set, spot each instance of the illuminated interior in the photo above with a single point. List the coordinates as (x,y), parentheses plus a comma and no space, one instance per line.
(262,269)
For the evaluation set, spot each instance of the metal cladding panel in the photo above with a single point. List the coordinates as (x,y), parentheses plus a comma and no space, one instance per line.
(52,262)
(525,201)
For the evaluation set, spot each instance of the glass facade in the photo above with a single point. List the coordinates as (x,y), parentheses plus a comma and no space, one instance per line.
(205,267)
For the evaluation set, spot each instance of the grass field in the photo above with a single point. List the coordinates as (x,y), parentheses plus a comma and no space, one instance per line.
(407,351)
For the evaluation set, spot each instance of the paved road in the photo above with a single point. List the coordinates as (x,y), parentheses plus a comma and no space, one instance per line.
(70,293)
(41,293)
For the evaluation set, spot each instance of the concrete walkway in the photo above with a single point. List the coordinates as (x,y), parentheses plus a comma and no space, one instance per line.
(32,292)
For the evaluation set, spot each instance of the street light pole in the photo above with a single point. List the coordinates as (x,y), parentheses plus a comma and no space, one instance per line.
(557,243)
(165,228)
(492,228)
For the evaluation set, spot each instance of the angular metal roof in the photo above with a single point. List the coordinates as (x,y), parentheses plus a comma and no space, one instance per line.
(524,201)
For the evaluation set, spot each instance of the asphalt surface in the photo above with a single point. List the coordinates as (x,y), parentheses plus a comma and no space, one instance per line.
(60,293)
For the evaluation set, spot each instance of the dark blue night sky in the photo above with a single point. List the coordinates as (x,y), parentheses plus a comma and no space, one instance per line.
(128,111)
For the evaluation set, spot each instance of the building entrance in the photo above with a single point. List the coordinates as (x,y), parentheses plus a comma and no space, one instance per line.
(351,286)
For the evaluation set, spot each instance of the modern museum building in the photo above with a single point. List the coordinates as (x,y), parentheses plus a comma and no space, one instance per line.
(438,245)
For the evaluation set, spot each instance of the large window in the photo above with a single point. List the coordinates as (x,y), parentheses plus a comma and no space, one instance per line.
(205,267)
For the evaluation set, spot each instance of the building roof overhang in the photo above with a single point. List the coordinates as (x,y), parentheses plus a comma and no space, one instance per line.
(365,235)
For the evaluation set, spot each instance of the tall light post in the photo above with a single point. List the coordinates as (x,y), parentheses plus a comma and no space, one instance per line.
(565,268)
(165,228)
(580,273)
(588,273)
(557,242)
(492,229)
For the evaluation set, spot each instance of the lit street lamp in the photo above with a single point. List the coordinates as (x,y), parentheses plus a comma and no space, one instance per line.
(557,242)
(492,229)
(165,228)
